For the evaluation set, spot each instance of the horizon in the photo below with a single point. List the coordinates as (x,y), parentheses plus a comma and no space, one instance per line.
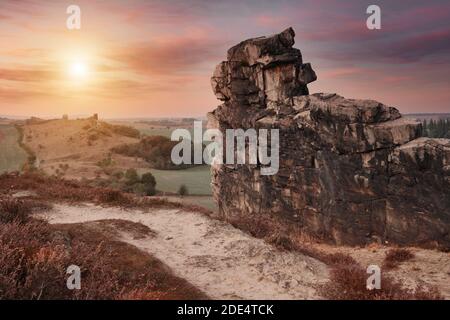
(155,59)
(83,116)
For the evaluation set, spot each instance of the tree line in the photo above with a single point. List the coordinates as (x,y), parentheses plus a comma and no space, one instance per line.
(436,128)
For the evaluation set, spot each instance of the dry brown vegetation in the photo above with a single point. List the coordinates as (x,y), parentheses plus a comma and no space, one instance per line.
(348,278)
(57,189)
(348,282)
(35,256)
(396,256)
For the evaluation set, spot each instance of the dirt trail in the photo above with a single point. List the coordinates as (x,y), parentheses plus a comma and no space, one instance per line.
(220,260)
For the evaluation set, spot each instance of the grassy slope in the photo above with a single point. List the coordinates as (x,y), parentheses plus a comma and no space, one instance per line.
(12,157)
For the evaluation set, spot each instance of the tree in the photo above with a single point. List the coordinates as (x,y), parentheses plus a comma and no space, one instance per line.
(183,190)
(149,182)
(131,176)
(425,128)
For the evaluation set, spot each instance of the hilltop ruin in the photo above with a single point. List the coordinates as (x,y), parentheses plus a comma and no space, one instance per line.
(351,171)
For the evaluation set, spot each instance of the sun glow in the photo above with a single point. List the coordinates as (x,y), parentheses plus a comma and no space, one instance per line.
(79,70)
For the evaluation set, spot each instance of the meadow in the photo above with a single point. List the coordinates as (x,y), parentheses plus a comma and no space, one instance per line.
(12,156)
(196,179)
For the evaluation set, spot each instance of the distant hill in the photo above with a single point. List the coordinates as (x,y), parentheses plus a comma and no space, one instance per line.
(74,147)
(427,116)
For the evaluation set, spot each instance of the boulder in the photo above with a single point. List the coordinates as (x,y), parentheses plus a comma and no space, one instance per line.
(351,171)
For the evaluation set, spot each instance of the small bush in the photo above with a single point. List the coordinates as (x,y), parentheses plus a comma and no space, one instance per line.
(396,256)
(111,196)
(106,162)
(183,190)
(148,178)
(14,210)
(149,182)
(131,176)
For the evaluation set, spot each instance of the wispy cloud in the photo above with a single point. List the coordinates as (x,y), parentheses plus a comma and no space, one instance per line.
(162,52)
(27,75)
(170,54)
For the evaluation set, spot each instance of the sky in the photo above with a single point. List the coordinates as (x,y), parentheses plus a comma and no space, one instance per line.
(145,58)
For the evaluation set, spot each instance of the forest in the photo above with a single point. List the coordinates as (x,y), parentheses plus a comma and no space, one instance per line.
(436,128)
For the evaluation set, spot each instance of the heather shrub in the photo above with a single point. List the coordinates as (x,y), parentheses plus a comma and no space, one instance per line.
(348,279)
(348,282)
(111,196)
(396,256)
(131,176)
(33,264)
(14,210)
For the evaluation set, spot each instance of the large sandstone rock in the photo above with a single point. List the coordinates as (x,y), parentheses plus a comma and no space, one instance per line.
(351,171)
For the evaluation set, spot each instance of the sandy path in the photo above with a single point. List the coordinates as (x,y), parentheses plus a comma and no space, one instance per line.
(220,260)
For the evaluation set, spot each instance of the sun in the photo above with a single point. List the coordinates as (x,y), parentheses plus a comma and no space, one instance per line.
(79,70)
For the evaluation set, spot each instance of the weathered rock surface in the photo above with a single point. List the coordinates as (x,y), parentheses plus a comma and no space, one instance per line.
(351,171)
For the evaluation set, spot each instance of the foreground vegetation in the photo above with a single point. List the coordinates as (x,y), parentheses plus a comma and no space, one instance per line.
(348,277)
(51,188)
(34,255)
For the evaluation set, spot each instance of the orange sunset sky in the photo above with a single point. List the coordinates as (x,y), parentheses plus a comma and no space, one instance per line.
(155,58)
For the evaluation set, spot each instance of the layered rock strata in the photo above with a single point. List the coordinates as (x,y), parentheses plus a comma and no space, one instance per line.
(351,171)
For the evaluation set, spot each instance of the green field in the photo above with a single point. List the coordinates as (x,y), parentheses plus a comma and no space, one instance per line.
(12,156)
(196,179)
(201,201)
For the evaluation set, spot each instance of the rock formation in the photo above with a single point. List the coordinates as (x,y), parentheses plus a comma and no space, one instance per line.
(351,171)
